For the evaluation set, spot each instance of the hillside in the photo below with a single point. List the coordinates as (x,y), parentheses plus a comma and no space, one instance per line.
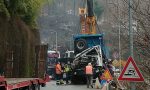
(18,39)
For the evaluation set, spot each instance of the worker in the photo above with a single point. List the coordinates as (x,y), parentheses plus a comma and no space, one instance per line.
(58,70)
(89,75)
(70,72)
(111,67)
(66,72)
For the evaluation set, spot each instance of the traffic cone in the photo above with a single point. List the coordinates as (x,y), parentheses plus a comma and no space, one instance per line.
(97,84)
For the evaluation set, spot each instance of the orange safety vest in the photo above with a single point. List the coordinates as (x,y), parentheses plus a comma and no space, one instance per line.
(89,70)
(58,69)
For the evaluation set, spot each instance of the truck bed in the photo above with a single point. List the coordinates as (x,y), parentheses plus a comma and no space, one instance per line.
(22,83)
(16,83)
(18,80)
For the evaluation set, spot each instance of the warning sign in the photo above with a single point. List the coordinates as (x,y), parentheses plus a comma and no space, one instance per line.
(131,72)
(106,75)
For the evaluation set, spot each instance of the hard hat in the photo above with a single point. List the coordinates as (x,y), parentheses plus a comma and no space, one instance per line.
(89,64)
(109,60)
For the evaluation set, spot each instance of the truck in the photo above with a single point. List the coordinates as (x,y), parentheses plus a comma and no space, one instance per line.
(89,47)
(9,81)
(52,58)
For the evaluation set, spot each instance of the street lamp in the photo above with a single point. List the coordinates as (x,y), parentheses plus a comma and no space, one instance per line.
(55,38)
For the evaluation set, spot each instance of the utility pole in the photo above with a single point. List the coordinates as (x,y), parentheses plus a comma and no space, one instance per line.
(74,6)
(119,28)
(131,37)
(56,41)
(130,29)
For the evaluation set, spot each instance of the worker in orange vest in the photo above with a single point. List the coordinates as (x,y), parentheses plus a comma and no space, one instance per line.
(89,75)
(58,70)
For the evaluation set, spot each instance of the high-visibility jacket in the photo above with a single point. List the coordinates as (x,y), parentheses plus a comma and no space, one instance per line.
(67,69)
(58,69)
(89,70)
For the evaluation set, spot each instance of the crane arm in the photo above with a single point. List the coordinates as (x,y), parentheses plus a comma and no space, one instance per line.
(87,19)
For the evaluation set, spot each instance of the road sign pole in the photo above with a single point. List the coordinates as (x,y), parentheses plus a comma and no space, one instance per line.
(133,85)
(131,38)
(130,29)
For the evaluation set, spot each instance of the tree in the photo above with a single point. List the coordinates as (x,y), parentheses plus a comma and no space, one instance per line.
(141,25)
(27,10)
(98,9)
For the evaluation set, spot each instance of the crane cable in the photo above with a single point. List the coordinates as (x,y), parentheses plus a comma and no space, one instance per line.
(83,4)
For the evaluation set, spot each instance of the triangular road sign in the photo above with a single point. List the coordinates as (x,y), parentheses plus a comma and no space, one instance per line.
(131,72)
(106,75)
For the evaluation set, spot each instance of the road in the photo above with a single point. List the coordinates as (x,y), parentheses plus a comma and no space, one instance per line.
(52,86)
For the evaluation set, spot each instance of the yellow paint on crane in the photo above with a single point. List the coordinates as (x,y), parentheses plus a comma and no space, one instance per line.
(82,11)
(88,24)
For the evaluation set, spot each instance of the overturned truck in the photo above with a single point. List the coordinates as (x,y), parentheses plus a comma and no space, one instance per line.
(88,49)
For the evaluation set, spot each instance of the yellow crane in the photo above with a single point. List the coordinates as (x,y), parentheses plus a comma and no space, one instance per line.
(87,18)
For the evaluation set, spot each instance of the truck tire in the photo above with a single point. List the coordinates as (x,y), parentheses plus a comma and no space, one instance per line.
(2,88)
(80,45)
(43,84)
(30,87)
(37,87)
(33,87)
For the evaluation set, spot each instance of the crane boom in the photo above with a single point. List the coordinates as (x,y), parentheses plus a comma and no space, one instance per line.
(87,19)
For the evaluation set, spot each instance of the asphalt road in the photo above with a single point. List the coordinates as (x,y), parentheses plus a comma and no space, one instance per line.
(52,86)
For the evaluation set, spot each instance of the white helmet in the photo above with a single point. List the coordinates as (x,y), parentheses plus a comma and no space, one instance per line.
(109,60)
(89,64)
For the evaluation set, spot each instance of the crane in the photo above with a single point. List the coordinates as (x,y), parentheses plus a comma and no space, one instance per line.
(87,18)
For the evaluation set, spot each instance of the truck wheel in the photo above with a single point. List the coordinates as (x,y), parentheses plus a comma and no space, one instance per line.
(80,45)
(43,84)
(37,87)
(2,88)
(34,87)
(24,88)
(31,87)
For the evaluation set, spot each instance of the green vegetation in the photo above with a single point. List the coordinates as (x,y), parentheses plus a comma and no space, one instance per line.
(3,9)
(18,34)
(27,10)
